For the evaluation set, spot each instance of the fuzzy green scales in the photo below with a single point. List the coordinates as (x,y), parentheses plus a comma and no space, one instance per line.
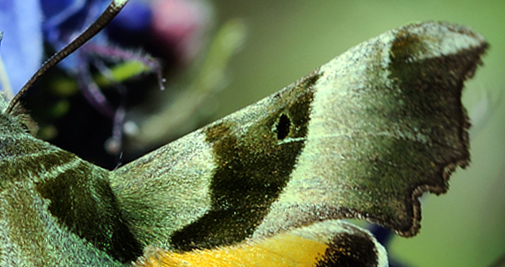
(361,137)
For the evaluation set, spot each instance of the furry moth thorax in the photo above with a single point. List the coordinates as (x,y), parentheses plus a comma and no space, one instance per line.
(363,136)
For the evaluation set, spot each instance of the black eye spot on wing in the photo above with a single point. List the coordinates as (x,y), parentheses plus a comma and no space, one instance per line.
(283,127)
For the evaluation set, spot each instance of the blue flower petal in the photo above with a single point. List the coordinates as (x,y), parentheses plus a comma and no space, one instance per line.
(135,17)
(20,22)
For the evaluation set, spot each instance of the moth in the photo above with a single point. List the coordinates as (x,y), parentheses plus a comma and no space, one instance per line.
(363,136)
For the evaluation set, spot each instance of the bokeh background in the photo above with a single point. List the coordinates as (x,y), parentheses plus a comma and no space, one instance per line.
(287,39)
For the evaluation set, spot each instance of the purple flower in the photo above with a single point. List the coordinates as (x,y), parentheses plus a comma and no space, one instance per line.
(27,24)
(156,24)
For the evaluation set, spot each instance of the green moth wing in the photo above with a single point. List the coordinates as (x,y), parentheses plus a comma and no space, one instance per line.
(360,137)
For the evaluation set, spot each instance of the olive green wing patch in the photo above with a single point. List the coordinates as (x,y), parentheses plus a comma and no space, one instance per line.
(214,186)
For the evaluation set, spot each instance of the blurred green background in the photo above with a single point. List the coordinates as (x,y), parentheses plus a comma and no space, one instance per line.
(287,39)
